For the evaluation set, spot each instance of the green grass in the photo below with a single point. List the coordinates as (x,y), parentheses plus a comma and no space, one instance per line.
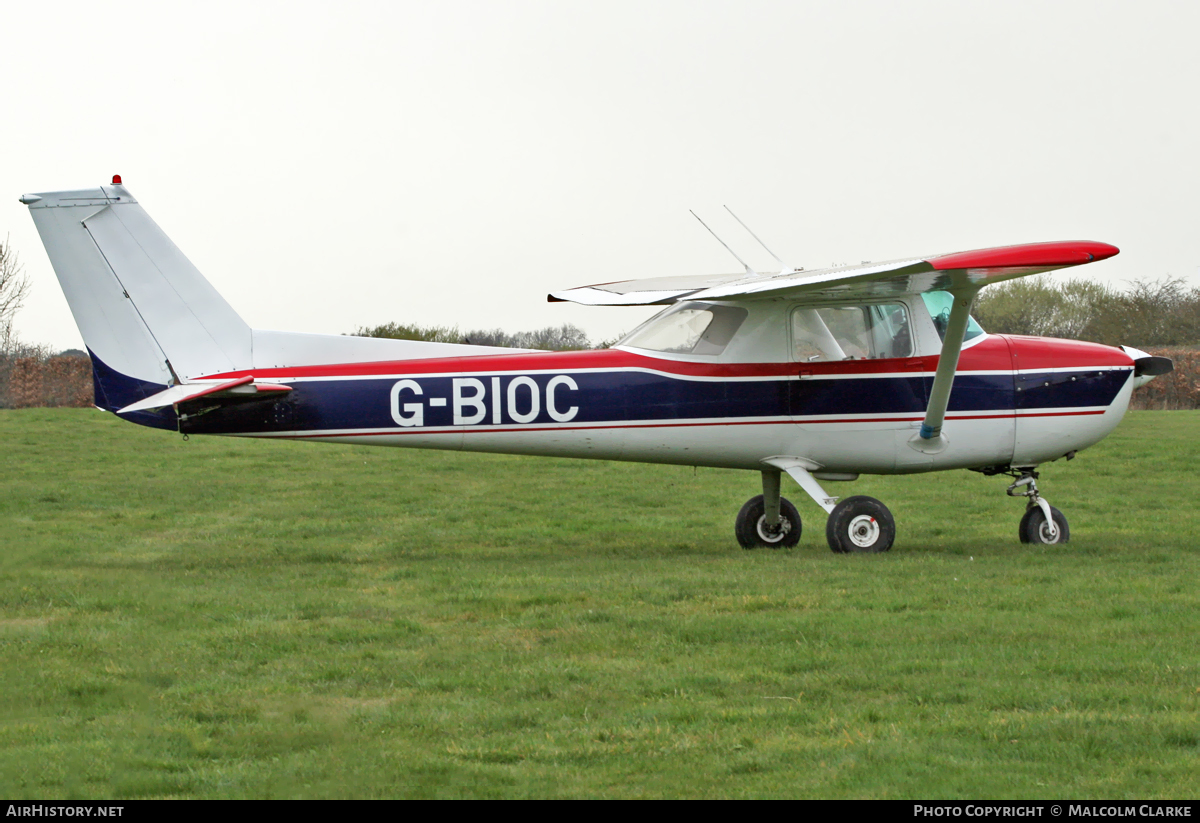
(225,618)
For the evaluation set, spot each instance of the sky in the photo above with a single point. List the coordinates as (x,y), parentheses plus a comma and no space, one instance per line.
(335,165)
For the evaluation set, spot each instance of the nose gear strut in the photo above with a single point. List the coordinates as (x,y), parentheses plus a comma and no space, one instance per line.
(1042,522)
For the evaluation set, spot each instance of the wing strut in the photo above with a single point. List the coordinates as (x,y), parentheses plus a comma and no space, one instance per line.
(930,439)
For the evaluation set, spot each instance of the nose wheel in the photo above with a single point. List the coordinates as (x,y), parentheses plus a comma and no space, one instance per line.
(1042,523)
(1035,528)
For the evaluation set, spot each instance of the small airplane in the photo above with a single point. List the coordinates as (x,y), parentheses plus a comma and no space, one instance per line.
(824,375)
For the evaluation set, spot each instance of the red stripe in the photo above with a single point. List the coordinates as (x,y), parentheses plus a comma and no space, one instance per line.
(534,361)
(547,429)
(1063,414)
(470,430)
(1008,415)
(241,381)
(1033,353)
(990,354)
(1057,254)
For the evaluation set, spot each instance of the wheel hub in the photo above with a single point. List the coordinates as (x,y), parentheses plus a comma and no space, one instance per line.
(1044,531)
(864,531)
(776,533)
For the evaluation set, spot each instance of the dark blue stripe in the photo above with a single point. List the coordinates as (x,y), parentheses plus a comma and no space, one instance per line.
(114,391)
(1050,390)
(978,392)
(617,397)
(875,395)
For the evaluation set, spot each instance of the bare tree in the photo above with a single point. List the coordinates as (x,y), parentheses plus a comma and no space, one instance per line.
(14,287)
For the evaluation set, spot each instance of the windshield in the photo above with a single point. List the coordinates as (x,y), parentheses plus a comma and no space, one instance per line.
(939,303)
(688,328)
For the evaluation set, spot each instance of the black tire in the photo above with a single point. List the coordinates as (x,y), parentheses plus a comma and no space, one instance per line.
(751,530)
(860,524)
(1023,529)
(1033,527)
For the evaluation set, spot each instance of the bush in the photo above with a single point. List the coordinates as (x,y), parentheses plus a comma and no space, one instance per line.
(30,376)
(566,337)
(404,331)
(1179,389)
(1150,313)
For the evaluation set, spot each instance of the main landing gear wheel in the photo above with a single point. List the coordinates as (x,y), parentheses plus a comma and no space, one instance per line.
(860,524)
(1035,529)
(753,532)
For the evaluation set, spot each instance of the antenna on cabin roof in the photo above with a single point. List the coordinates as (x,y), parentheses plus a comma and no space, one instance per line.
(749,270)
(786,267)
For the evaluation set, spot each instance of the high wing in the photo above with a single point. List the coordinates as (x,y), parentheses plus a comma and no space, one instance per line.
(947,272)
(962,274)
(651,291)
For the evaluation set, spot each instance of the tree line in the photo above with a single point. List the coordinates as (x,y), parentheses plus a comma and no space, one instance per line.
(32,375)
(567,337)
(1149,313)
(1160,316)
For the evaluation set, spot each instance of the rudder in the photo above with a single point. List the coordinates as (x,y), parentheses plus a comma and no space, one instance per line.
(145,312)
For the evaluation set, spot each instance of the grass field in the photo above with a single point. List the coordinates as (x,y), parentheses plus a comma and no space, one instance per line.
(226,618)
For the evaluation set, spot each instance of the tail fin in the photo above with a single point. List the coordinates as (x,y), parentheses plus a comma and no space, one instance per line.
(147,315)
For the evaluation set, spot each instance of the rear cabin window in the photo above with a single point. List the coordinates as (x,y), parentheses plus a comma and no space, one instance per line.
(688,328)
(860,332)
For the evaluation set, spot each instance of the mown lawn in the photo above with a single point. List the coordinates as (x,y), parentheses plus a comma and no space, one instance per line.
(226,618)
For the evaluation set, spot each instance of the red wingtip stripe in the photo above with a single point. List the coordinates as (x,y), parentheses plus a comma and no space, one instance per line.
(1063,253)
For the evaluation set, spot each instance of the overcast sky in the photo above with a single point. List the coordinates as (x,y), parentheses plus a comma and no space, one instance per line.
(335,165)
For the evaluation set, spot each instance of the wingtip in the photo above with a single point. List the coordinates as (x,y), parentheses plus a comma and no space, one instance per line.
(1055,254)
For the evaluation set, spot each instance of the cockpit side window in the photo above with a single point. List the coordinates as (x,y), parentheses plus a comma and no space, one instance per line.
(688,328)
(939,303)
(859,332)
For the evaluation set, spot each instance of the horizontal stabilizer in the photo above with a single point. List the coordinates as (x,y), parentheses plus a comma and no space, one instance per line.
(244,388)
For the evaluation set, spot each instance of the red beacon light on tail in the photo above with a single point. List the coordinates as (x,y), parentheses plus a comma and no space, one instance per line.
(116,180)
